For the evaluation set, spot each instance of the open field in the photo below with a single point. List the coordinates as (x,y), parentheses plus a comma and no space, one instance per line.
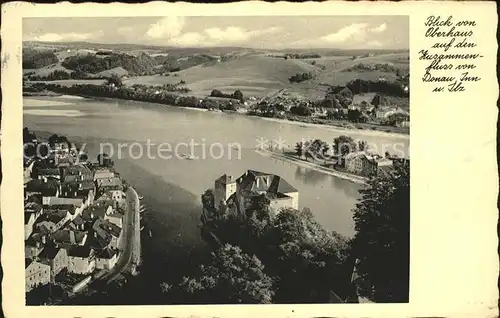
(61,55)
(258,74)
(253,72)
(73,82)
(119,71)
(45,71)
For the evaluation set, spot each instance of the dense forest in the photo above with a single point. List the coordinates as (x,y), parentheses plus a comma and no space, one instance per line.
(37,59)
(359,86)
(61,75)
(91,63)
(387,68)
(301,77)
(236,95)
(143,64)
(140,93)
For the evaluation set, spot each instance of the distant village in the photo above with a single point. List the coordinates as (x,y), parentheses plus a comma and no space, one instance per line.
(73,218)
(345,157)
(340,103)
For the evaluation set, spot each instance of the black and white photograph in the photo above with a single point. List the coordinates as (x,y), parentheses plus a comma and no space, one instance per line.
(216,159)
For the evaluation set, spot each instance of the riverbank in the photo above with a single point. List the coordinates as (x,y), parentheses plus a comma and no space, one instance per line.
(190,102)
(136,241)
(324,127)
(175,248)
(313,166)
(333,127)
(40,94)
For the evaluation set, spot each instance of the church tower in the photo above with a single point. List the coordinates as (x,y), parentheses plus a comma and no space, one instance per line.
(224,187)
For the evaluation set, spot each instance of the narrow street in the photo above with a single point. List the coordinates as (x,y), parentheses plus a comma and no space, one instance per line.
(129,236)
(128,245)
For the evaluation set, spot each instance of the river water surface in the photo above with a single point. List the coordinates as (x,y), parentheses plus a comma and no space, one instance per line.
(172,186)
(115,121)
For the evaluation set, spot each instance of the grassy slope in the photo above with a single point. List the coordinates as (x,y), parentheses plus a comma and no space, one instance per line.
(253,74)
(256,74)
(44,71)
(120,71)
(333,73)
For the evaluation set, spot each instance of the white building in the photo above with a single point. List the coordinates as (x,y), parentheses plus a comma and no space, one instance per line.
(37,274)
(81,260)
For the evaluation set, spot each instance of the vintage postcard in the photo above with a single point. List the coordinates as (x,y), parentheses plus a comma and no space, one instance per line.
(253,158)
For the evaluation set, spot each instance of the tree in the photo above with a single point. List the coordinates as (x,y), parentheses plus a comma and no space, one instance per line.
(238,95)
(318,148)
(56,139)
(29,143)
(311,261)
(354,115)
(343,145)
(42,151)
(53,139)
(301,110)
(230,277)
(259,206)
(362,145)
(216,93)
(335,114)
(83,157)
(33,59)
(207,198)
(381,244)
(300,77)
(299,149)
(308,261)
(115,80)
(104,160)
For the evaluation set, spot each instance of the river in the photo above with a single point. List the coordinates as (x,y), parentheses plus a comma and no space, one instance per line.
(172,186)
(126,122)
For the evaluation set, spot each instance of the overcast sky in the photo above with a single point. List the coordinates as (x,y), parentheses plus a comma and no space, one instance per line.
(342,32)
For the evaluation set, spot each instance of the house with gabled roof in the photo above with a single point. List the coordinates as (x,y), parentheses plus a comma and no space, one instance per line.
(32,211)
(106,259)
(84,190)
(49,173)
(365,101)
(365,164)
(35,242)
(33,207)
(107,184)
(36,274)
(53,220)
(115,217)
(103,173)
(29,221)
(78,223)
(68,237)
(342,91)
(74,206)
(81,260)
(97,210)
(55,257)
(107,234)
(117,195)
(77,172)
(239,191)
(45,188)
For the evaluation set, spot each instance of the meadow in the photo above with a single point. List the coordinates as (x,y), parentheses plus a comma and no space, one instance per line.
(255,73)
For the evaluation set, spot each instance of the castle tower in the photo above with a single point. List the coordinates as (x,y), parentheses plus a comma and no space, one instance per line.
(224,187)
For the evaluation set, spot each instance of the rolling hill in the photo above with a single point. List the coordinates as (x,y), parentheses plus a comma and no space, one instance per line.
(252,71)
(253,74)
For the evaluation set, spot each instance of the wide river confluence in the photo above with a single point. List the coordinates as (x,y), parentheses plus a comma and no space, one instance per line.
(181,182)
